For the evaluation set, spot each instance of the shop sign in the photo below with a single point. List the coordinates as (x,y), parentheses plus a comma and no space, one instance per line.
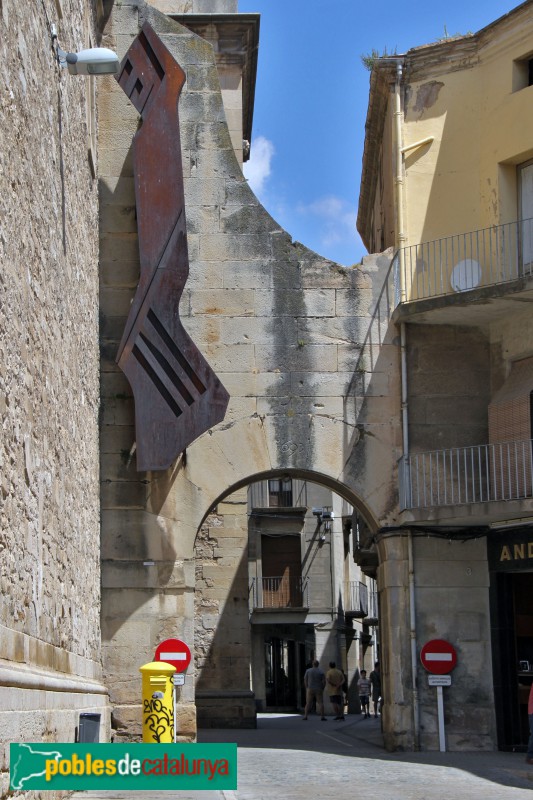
(511,550)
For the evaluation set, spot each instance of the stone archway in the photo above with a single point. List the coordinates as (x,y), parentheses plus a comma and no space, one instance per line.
(309,611)
(303,346)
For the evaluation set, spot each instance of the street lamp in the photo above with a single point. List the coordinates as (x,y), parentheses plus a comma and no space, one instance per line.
(93,61)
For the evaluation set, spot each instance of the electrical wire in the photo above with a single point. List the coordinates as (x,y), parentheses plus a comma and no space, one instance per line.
(451,532)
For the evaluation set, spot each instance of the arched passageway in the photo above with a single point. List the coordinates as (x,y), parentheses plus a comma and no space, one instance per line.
(277,586)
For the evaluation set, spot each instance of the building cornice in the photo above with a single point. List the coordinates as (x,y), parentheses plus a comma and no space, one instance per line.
(378,100)
(235,40)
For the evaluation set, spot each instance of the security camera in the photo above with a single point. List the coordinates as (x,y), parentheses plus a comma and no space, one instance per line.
(328,515)
(94,61)
(318,512)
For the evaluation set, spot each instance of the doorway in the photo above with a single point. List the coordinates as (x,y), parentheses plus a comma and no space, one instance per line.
(280,674)
(512,639)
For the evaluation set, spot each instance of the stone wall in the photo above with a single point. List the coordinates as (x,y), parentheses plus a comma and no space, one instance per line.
(313,392)
(49,477)
(452,603)
(222,630)
(449,386)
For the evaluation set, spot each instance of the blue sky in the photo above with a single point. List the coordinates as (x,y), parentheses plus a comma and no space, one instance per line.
(311,101)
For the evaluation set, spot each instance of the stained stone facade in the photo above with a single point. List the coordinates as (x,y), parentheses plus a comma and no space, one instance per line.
(300,343)
(222,637)
(50,662)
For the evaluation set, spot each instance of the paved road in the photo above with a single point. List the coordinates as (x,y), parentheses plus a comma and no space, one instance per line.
(288,759)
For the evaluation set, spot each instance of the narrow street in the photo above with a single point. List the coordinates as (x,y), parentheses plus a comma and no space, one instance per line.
(288,759)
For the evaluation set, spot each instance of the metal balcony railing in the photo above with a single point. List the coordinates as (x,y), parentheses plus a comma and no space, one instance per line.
(355,599)
(373,605)
(478,474)
(280,592)
(454,264)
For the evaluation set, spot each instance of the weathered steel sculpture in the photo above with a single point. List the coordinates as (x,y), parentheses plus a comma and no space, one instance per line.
(177,395)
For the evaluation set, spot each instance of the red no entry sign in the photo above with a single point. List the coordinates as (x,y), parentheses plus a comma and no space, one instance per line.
(438,657)
(174,652)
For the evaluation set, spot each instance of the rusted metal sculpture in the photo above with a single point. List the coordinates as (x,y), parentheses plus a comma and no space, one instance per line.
(177,395)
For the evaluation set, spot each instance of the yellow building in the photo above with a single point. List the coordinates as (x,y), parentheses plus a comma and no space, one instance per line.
(456,117)
(448,184)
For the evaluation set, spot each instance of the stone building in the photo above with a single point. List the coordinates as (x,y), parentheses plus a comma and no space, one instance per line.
(447,183)
(50,653)
(399,389)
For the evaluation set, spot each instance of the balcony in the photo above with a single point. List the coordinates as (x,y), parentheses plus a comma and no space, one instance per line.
(366,557)
(355,599)
(279,593)
(372,617)
(466,262)
(487,473)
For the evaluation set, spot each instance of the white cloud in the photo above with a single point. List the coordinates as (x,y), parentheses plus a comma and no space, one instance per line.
(257,168)
(335,217)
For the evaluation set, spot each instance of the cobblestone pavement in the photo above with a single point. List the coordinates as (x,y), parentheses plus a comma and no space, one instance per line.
(288,759)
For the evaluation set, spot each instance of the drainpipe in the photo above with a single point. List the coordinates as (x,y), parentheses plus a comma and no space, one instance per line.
(406,488)
(414,661)
(401,240)
(405,402)
(400,233)
(400,244)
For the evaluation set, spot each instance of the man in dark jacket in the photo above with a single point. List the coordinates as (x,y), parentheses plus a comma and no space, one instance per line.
(314,682)
(375,680)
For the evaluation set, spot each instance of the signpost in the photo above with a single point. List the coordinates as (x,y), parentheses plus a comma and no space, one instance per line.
(177,653)
(439,657)
(433,680)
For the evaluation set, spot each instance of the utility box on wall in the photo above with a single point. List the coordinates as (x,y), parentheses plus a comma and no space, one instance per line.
(89,728)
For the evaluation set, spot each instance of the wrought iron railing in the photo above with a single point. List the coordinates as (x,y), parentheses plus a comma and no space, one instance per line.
(454,264)
(478,474)
(373,605)
(279,592)
(356,599)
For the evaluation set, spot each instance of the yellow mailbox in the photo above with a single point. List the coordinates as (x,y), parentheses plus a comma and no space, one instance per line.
(158,711)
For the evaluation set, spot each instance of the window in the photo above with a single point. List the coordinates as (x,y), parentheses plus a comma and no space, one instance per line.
(522,73)
(280,492)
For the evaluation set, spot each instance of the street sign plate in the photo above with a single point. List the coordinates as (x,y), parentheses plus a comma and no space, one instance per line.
(438,657)
(434,680)
(178,680)
(175,652)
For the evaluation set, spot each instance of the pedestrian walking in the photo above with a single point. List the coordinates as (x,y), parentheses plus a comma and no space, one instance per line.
(364,687)
(334,681)
(314,682)
(375,680)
